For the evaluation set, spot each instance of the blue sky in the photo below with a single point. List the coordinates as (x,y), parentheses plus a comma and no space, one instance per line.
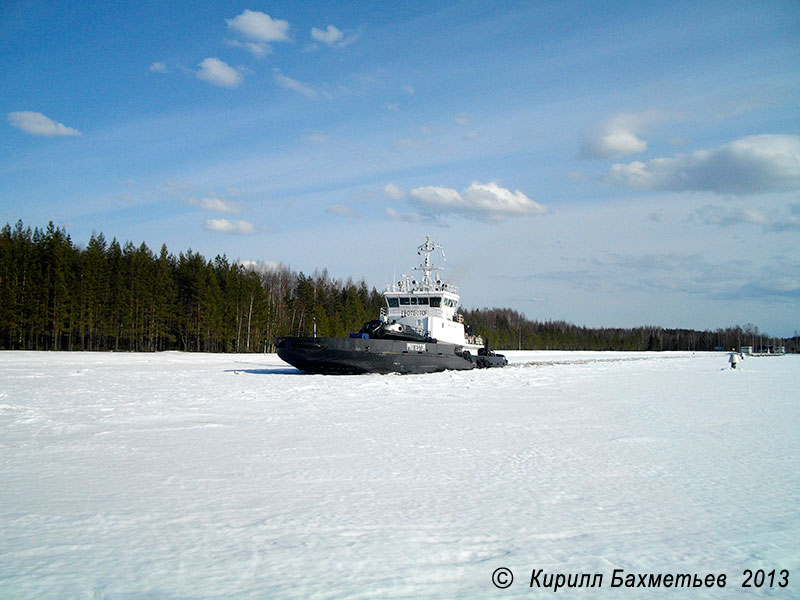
(603,163)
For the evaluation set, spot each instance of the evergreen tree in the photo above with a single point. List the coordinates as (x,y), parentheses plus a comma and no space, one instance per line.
(55,295)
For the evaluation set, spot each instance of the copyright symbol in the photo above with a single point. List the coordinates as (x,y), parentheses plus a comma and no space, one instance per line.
(502,578)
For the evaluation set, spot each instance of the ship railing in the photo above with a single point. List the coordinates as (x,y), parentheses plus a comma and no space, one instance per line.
(417,330)
(385,318)
(419,287)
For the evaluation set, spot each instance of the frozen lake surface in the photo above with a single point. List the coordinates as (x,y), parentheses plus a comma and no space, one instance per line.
(189,476)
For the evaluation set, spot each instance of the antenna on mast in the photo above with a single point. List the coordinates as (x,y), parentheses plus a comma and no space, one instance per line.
(426,267)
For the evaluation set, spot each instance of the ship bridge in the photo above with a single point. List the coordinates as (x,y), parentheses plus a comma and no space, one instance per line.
(428,305)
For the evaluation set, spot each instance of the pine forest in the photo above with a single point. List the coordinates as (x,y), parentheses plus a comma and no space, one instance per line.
(56,295)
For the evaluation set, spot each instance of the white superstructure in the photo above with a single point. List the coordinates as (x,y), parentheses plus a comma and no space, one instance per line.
(428,305)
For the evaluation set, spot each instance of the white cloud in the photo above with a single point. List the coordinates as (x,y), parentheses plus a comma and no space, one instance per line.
(340,211)
(257,49)
(216,204)
(719,215)
(613,144)
(615,138)
(751,165)
(219,73)
(333,36)
(440,199)
(484,200)
(393,192)
(620,135)
(329,36)
(259,26)
(770,219)
(158,67)
(37,124)
(317,137)
(408,217)
(225,226)
(294,85)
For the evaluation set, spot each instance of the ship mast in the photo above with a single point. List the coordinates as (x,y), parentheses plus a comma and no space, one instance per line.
(426,267)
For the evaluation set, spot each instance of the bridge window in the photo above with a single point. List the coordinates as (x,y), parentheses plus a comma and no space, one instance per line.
(413,301)
(393,303)
(436,302)
(424,300)
(404,301)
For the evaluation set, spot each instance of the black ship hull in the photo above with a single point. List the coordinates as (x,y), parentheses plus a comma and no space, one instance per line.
(350,356)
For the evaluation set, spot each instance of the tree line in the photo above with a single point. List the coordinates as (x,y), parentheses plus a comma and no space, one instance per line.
(56,295)
(511,330)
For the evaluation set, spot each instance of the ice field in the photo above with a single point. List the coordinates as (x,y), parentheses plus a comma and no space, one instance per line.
(189,476)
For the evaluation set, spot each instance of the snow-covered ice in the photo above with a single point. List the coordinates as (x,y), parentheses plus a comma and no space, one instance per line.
(233,476)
